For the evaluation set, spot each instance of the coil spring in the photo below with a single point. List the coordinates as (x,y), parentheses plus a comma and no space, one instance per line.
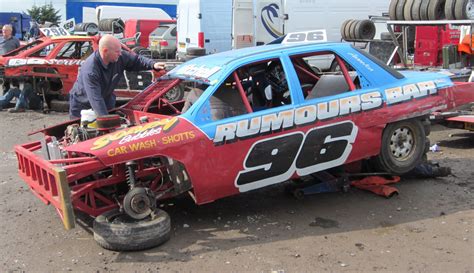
(130,173)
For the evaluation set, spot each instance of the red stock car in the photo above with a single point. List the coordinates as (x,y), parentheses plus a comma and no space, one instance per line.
(51,64)
(231,135)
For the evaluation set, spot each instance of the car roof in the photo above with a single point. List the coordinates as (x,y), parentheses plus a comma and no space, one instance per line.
(71,37)
(219,61)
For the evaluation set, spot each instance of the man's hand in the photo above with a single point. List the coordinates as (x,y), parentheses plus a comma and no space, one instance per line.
(159,66)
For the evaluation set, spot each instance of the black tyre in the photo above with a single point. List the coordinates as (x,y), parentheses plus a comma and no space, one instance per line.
(116,25)
(402,148)
(408,9)
(117,231)
(436,10)
(449,9)
(392,10)
(196,51)
(59,105)
(385,36)
(347,30)
(462,9)
(415,10)
(424,9)
(352,30)
(343,29)
(365,30)
(175,94)
(400,8)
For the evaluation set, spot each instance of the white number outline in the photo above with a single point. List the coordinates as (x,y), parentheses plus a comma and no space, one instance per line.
(304,171)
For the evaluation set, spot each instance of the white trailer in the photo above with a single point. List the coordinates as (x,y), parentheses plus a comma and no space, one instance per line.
(242,23)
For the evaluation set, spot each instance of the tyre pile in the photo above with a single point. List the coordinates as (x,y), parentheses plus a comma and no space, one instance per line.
(90,28)
(413,10)
(357,30)
(115,25)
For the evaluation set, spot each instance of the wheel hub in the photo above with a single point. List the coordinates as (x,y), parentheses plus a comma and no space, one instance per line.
(402,143)
(139,203)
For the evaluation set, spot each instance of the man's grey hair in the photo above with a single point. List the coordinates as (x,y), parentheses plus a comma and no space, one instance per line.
(8,26)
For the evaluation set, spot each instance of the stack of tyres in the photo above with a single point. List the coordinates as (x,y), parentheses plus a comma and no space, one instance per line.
(90,28)
(413,10)
(115,25)
(352,30)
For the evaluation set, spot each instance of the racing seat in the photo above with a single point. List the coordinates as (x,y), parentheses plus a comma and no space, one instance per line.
(225,103)
(328,85)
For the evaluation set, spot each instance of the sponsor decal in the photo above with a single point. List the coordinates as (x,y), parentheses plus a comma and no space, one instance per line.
(35,61)
(136,133)
(133,147)
(178,137)
(276,159)
(304,115)
(410,91)
(300,116)
(361,62)
(197,71)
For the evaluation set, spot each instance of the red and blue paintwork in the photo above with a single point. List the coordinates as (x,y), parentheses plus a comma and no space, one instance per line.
(213,166)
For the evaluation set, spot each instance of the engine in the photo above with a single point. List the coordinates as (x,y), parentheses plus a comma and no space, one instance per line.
(92,128)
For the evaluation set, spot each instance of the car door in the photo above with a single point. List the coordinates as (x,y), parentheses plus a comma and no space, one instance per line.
(343,102)
(252,133)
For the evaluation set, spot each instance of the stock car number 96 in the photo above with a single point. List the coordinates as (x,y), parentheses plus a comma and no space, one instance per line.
(274,160)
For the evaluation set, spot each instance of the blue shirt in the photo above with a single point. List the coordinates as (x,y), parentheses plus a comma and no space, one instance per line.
(96,81)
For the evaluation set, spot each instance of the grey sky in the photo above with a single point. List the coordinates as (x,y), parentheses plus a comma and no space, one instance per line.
(23,5)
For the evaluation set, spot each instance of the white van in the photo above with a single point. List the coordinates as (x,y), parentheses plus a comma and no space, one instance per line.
(125,13)
(242,23)
(204,24)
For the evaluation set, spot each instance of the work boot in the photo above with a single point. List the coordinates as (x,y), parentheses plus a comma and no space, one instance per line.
(441,171)
(14,110)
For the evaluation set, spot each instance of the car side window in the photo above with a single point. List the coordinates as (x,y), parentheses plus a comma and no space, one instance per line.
(43,52)
(226,102)
(75,50)
(173,32)
(324,74)
(265,84)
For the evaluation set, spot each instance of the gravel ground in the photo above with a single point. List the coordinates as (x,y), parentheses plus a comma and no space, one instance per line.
(427,228)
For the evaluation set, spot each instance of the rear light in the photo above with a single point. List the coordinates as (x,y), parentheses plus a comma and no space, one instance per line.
(201,39)
(163,43)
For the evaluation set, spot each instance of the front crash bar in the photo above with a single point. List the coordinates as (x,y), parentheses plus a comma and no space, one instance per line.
(46,180)
(49,179)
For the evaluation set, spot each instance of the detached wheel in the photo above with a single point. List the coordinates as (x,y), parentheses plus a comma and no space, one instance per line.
(392,10)
(403,145)
(175,94)
(399,12)
(463,10)
(365,29)
(407,10)
(436,10)
(117,231)
(424,9)
(449,9)
(415,10)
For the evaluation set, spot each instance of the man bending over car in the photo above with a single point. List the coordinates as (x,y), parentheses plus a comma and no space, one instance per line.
(100,74)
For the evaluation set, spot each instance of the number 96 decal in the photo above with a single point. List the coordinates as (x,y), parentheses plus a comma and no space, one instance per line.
(274,160)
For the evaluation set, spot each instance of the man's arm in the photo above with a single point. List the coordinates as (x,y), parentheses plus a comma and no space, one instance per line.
(136,62)
(94,94)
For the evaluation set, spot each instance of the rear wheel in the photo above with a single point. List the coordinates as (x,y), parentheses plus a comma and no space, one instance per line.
(402,148)
(117,231)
